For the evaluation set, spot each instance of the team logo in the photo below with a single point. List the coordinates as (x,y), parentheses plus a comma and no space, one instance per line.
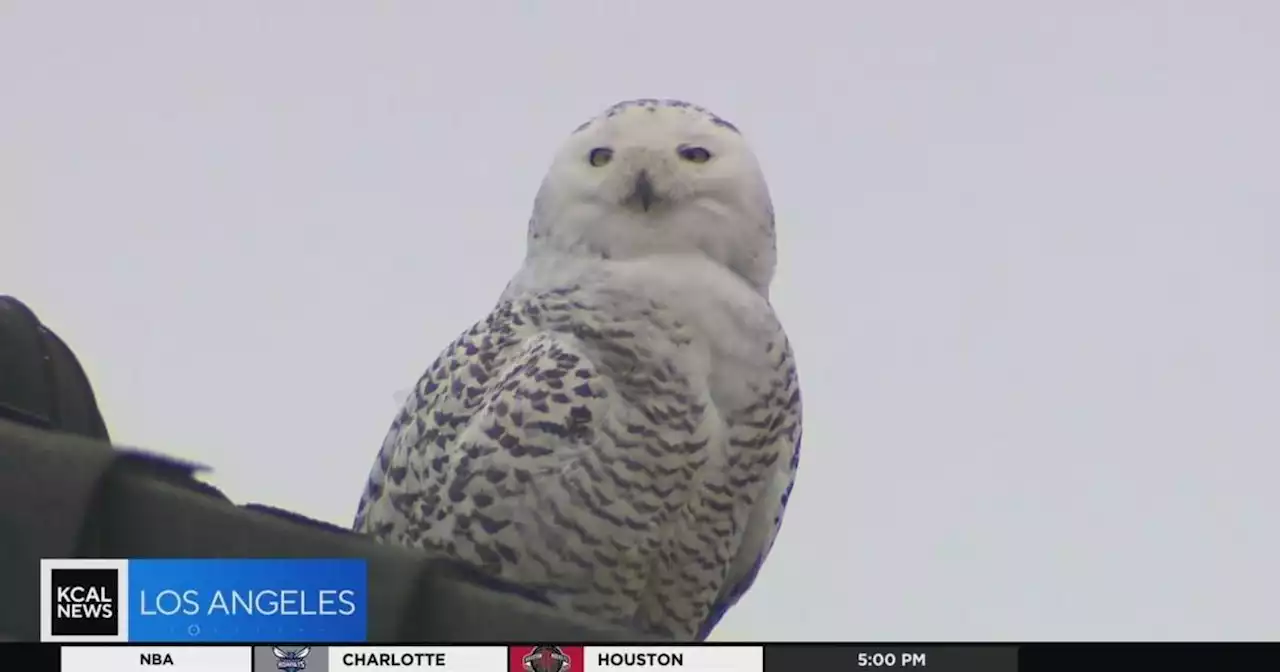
(291,661)
(546,658)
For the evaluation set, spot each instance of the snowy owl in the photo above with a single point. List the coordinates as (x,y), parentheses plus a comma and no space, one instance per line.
(618,438)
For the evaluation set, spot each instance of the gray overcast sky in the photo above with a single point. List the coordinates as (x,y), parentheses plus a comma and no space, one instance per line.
(1028,262)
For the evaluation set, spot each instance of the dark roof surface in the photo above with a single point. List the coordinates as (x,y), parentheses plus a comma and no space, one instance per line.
(64,496)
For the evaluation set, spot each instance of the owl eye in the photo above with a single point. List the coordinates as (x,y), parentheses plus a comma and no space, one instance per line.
(600,156)
(694,154)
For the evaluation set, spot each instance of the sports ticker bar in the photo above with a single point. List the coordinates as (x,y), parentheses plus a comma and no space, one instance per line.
(31,657)
(317,658)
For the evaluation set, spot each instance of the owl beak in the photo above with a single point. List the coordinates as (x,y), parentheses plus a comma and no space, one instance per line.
(642,193)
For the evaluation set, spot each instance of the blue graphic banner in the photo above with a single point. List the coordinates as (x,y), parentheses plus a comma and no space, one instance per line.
(270,601)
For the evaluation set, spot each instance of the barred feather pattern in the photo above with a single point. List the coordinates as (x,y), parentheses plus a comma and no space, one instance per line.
(573,443)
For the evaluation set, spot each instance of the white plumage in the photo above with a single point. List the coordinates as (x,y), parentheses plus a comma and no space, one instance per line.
(620,435)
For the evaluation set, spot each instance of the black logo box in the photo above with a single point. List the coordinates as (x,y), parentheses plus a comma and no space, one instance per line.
(105,582)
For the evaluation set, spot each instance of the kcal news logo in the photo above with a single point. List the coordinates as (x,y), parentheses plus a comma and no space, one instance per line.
(204,600)
(84,600)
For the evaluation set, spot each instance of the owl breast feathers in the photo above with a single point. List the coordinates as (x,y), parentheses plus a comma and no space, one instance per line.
(593,446)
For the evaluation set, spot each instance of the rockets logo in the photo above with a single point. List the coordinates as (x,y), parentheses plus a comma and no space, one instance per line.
(546,658)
